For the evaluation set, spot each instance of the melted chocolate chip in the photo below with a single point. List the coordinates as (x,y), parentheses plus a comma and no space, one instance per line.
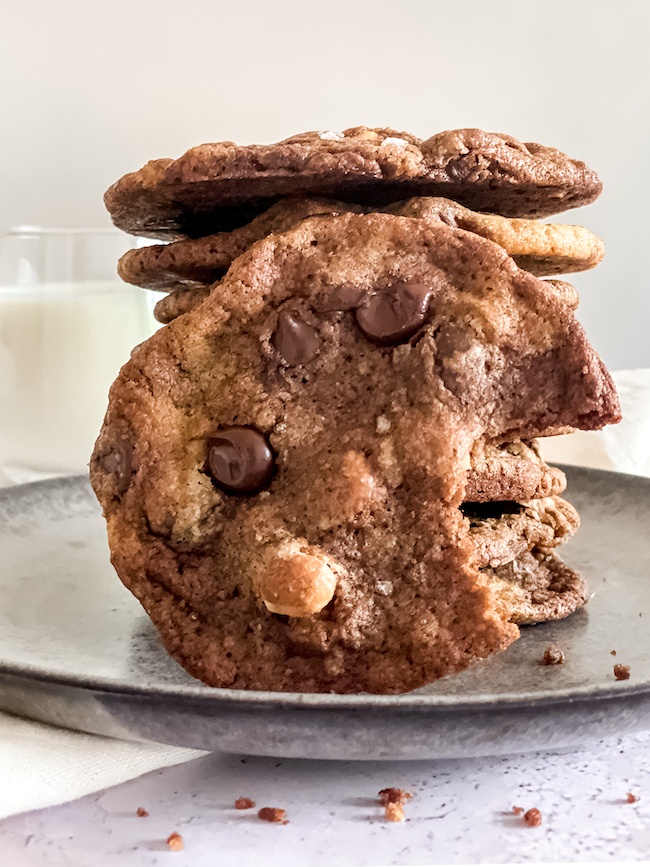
(344,298)
(240,460)
(117,462)
(394,314)
(295,340)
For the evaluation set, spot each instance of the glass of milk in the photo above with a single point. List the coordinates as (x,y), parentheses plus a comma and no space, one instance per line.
(67,325)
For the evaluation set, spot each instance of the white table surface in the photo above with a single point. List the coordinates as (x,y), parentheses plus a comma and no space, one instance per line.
(458,813)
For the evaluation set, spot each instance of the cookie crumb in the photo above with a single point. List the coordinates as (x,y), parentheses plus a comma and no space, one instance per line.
(631,799)
(244,804)
(392,800)
(274,815)
(175,842)
(621,672)
(517,810)
(394,812)
(612,653)
(141,812)
(553,656)
(533,817)
(392,795)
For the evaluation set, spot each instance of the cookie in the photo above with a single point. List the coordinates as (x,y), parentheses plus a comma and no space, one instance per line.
(217,187)
(541,248)
(180,300)
(501,532)
(536,587)
(282,469)
(205,260)
(511,471)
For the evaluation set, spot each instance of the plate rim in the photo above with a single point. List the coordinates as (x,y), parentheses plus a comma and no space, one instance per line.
(221,697)
(325,701)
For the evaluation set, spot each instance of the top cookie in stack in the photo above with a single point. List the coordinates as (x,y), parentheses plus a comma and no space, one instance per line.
(217,187)
(322,475)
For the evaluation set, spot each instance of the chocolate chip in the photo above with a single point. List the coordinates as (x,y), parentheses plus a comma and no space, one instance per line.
(394,314)
(117,461)
(240,460)
(344,298)
(295,340)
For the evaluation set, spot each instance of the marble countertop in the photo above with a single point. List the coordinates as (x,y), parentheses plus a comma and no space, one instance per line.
(460,813)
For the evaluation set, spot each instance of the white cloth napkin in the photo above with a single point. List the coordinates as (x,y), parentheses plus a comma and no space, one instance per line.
(43,765)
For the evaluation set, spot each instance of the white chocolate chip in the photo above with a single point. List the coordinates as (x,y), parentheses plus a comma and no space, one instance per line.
(397,142)
(328,135)
(383,424)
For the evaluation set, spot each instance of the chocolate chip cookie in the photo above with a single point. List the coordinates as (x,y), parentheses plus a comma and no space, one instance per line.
(217,187)
(541,248)
(282,469)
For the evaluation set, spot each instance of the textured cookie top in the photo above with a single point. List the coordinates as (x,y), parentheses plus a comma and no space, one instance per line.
(216,187)
(541,248)
(282,468)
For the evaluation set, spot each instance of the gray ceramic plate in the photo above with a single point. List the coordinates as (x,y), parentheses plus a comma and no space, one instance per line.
(77,650)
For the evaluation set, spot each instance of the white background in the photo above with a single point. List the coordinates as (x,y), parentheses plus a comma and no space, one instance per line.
(89,91)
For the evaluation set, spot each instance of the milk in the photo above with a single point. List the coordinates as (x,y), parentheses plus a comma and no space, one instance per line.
(61,347)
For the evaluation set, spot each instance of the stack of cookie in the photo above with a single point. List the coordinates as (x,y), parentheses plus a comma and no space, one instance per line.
(322,475)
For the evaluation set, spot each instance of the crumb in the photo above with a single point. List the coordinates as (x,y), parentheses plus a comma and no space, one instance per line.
(517,810)
(553,656)
(244,804)
(394,811)
(533,817)
(141,812)
(621,672)
(631,799)
(273,814)
(612,653)
(393,796)
(175,842)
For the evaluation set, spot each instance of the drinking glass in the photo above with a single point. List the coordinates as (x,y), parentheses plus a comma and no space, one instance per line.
(67,325)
